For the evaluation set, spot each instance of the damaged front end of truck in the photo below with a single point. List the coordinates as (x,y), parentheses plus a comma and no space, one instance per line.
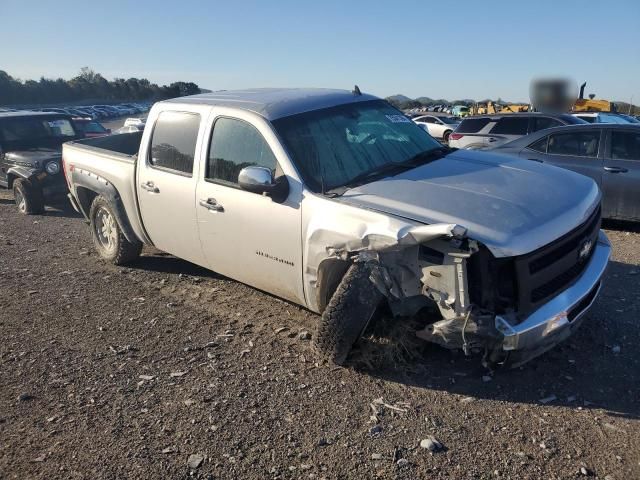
(509,308)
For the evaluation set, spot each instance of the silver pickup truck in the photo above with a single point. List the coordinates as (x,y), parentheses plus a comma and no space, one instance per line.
(336,201)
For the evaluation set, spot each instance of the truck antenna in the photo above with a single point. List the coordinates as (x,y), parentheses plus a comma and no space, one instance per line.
(356,90)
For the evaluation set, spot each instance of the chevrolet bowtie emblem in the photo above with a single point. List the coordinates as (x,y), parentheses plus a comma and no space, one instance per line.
(585,249)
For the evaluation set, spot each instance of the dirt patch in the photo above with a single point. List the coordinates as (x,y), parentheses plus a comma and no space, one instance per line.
(166,370)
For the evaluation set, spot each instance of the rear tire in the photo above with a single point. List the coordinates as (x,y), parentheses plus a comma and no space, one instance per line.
(110,242)
(28,198)
(445,136)
(347,315)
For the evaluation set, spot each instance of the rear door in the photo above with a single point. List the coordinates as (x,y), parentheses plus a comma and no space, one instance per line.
(621,174)
(248,236)
(508,128)
(538,123)
(577,150)
(166,184)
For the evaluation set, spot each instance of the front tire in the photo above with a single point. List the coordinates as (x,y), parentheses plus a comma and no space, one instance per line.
(110,242)
(347,315)
(27,197)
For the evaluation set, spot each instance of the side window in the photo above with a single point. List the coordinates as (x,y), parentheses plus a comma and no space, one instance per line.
(540,123)
(580,144)
(587,118)
(472,125)
(540,145)
(236,144)
(511,126)
(625,145)
(173,142)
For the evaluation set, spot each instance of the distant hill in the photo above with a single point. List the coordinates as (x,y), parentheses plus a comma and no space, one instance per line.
(398,98)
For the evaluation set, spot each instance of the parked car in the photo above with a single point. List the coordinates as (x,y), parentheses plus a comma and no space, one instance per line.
(630,118)
(129,129)
(439,127)
(608,153)
(489,131)
(337,201)
(135,122)
(460,111)
(90,128)
(602,117)
(30,145)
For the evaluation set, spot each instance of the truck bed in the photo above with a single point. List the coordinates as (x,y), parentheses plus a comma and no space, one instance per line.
(111,161)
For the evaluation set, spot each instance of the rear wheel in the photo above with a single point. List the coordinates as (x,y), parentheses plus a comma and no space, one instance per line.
(110,242)
(347,315)
(445,136)
(27,197)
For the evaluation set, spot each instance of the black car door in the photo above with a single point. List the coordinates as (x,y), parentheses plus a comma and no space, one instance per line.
(621,174)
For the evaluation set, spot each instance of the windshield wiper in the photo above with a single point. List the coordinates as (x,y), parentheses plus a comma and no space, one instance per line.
(412,162)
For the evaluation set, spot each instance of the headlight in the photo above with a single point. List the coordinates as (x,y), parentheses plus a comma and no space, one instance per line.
(52,168)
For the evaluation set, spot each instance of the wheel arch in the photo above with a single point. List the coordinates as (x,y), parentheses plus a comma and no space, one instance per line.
(87,188)
(330,274)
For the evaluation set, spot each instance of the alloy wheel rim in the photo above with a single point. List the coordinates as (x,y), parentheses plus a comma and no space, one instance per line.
(20,201)
(106,229)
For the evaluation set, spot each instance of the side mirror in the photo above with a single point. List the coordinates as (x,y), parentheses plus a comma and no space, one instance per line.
(260,180)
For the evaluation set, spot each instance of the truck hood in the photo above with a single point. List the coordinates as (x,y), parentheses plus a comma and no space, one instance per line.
(35,157)
(512,206)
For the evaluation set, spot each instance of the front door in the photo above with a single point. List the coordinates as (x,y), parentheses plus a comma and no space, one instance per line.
(248,236)
(166,184)
(621,176)
(577,151)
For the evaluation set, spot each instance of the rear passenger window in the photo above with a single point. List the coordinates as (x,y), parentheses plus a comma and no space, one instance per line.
(625,145)
(235,144)
(472,125)
(580,144)
(173,142)
(511,126)
(540,145)
(540,123)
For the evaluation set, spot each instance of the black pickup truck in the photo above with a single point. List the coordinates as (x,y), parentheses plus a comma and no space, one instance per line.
(30,156)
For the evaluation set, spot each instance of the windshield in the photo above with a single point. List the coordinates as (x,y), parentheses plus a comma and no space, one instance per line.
(35,131)
(333,146)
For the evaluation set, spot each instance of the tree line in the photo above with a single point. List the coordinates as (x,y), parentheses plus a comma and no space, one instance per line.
(87,85)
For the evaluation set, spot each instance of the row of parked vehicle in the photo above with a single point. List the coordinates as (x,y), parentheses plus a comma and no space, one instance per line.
(604,146)
(95,112)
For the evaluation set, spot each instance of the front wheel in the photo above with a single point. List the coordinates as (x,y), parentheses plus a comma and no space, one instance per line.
(110,242)
(28,198)
(347,315)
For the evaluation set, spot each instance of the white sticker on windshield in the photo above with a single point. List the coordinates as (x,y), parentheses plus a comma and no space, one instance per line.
(398,119)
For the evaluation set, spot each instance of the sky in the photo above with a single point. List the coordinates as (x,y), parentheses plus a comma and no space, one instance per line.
(440,49)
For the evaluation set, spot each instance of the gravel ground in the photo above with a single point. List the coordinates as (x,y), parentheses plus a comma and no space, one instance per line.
(166,370)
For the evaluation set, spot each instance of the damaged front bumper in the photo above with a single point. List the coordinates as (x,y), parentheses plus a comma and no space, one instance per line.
(559,317)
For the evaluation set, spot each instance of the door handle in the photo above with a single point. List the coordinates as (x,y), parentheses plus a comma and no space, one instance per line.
(150,187)
(491,140)
(535,160)
(616,169)
(211,204)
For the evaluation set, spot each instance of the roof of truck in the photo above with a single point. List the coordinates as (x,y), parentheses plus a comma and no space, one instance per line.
(274,103)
